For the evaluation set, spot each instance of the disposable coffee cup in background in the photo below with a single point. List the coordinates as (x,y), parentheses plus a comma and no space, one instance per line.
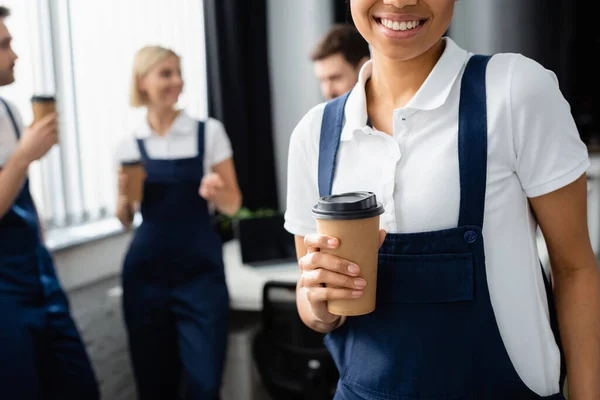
(42,106)
(353,218)
(136,175)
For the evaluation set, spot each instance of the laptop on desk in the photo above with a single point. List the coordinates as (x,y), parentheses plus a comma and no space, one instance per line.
(264,241)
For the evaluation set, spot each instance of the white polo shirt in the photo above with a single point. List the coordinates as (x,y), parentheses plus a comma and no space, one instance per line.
(8,136)
(180,142)
(533,149)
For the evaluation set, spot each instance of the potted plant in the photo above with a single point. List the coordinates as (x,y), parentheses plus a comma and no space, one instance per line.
(225,225)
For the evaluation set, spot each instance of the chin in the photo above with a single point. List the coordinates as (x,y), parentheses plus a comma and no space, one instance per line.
(168,103)
(171,102)
(397,53)
(7,80)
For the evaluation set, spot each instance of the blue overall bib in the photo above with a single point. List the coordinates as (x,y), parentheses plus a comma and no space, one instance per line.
(41,353)
(175,296)
(433,334)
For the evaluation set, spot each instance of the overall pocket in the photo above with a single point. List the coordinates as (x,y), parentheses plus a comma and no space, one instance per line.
(417,343)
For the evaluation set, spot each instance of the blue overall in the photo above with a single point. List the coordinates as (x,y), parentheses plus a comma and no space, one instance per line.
(175,296)
(41,353)
(433,334)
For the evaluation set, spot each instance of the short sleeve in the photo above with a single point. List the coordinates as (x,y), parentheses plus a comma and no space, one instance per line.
(549,151)
(8,138)
(302,186)
(126,150)
(218,145)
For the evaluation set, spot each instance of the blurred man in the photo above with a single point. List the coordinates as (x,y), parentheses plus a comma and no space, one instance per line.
(41,352)
(337,59)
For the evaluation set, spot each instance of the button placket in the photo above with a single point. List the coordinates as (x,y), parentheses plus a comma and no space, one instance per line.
(390,211)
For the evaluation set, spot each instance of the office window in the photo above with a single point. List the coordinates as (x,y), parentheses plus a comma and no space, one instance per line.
(83,51)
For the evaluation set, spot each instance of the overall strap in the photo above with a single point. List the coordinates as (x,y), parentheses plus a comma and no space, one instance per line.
(201,135)
(12,118)
(331,131)
(472,142)
(142,148)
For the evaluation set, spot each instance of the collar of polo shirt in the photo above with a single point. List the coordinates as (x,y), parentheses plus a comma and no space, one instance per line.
(184,125)
(431,95)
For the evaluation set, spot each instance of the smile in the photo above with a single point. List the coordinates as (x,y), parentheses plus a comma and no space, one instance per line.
(399,25)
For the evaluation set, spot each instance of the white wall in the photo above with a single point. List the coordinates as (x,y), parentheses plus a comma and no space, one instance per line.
(294,27)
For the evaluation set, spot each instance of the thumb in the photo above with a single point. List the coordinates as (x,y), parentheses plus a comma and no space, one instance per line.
(218,181)
(382,235)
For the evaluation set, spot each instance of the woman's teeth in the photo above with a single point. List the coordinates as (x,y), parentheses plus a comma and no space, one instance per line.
(400,26)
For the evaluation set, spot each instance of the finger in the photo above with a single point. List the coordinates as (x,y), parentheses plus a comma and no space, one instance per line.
(126,225)
(45,124)
(318,294)
(47,120)
(219,182)
(211,192)
(124,217)
(130,212)
(206,185)
(316,241)
(131,209)
(318,277)
(215,192)
(318,260)
(48,142)
(208,178)
(49,126)
(382,235)
(205,188)
(215,181)
(45,129)
(205,194)
(123,183)
(48,131)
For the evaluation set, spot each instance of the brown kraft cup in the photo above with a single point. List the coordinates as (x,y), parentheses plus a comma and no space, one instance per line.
(136,175)
(353,218)
(42,106)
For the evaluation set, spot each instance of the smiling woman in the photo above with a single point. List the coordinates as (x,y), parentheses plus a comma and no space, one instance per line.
(187,164)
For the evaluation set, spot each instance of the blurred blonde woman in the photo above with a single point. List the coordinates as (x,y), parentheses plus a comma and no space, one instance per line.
(175,298)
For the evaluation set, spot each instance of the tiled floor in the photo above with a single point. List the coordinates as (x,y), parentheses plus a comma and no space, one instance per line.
(99,317)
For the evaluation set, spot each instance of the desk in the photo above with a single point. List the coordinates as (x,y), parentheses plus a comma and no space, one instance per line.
(246,283)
